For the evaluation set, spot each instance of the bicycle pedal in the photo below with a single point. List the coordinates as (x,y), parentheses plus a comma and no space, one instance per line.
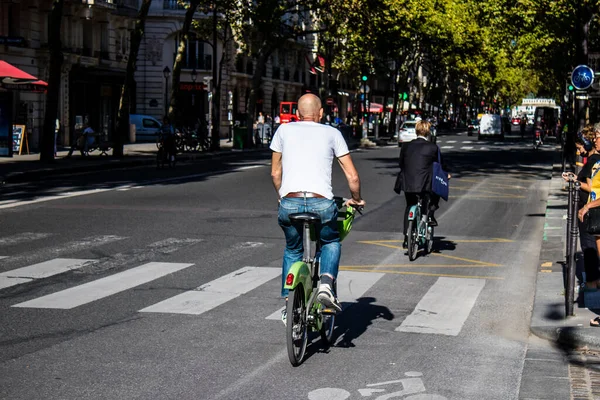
(329,311)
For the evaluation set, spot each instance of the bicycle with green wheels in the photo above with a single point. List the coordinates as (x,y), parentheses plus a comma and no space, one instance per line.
(420,232)
(304,312)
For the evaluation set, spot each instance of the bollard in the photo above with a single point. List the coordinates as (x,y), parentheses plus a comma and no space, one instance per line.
(571,265)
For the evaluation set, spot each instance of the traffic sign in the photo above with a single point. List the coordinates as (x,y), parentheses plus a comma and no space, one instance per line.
(582,77)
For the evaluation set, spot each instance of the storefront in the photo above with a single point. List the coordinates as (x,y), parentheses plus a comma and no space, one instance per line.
(94,96)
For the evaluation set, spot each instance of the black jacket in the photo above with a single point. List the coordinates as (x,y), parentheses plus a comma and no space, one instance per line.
(416,165)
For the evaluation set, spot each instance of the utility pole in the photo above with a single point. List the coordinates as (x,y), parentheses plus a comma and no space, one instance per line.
(215,88)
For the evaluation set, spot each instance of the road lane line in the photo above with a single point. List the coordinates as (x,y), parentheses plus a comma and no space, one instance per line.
(216,292)
(450,141)
(445,307)
(447,147)
(351,286)
(40,271)
(101,288)
(390,271)
(467,148)
(22,237)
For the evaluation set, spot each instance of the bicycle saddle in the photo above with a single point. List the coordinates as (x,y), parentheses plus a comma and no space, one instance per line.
(305,216)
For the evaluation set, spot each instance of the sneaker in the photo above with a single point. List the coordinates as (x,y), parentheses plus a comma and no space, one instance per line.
(284,316)
(327,298)
(432,221)
(405,243)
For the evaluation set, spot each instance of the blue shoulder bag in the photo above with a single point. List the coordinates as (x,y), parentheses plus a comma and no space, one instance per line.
(439,180)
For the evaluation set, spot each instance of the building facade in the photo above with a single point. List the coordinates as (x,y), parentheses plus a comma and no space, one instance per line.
(95,41)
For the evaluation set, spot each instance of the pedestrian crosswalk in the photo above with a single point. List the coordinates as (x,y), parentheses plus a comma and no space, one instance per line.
(124,271)
(475,145)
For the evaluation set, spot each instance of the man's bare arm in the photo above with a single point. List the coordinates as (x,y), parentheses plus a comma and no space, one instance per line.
(352,178)
(276,171)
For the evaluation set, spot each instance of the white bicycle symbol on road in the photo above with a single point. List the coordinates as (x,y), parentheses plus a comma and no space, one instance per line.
(412,386)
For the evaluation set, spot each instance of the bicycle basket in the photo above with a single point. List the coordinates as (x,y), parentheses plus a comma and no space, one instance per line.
(345,219)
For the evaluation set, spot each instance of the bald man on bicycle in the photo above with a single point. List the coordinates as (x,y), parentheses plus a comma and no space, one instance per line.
(302,160)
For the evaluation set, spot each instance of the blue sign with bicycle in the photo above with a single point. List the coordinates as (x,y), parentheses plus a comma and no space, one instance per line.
(582,77)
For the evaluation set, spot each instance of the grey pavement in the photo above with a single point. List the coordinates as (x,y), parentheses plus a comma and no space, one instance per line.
(28,167)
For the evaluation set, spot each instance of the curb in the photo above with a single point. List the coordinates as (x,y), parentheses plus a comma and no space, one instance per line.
(574,337)
(111,164)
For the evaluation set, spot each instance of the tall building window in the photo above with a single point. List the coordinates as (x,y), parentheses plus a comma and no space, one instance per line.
(198,53)
(14,20)
(88,38)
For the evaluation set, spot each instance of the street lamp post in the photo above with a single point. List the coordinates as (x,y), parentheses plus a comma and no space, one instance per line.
(166,74)
(194,75)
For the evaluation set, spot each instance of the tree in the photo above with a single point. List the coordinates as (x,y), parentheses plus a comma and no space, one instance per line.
(263,26)
(174,111)
(125,102)
(52,97)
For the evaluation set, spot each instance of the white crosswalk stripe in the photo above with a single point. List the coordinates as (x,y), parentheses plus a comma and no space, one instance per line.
(467,148)
(22,237)
(216,292)
(350,287)
(39,271)
(101,288)
(444,308)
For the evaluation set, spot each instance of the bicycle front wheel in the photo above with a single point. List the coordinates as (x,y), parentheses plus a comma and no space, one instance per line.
(296,329)
(413,240)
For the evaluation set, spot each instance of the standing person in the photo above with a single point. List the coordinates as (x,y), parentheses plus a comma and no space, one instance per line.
(588,145)
(88,139)
(168,137)
(416,170)
(302,159)
(523,124)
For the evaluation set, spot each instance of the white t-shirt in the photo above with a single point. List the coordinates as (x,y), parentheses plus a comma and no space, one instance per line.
(307,151)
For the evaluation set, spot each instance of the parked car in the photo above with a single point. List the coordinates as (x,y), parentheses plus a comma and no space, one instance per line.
(516,121)
(147,128)
(490,125)
(472,126)
(407,132)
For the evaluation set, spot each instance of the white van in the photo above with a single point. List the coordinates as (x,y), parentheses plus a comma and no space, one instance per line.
(490,126)
(147,128)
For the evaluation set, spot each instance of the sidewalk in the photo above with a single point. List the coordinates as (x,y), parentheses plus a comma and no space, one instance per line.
(548,319)
(28,167)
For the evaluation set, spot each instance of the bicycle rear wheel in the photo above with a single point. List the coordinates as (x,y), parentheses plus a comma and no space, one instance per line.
(327,326)
(430,240)
(413,240)
(296,329)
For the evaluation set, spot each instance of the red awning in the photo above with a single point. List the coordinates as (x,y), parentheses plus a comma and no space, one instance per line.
(11,74)
(373,107)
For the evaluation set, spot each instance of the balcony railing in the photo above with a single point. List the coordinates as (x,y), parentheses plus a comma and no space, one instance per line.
(175,4)
(133,4)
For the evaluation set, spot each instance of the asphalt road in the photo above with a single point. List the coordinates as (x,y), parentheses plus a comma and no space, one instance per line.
(146,284)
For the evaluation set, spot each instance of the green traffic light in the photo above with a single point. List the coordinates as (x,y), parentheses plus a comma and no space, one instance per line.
(571,88)
(364,78)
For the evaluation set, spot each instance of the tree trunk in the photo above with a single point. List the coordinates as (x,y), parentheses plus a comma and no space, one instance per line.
(392,125)
(52,97)
(174,111)
(125,103)
(261,61)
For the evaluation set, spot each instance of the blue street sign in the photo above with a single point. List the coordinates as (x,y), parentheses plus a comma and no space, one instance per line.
(582,77)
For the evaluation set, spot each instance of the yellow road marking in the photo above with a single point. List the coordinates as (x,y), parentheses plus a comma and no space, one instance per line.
(547,264)
(424,266)
(435,254)
(493,240)
(426,274)
(546,270)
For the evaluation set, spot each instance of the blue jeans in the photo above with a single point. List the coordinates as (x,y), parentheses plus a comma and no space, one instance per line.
(331,247)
